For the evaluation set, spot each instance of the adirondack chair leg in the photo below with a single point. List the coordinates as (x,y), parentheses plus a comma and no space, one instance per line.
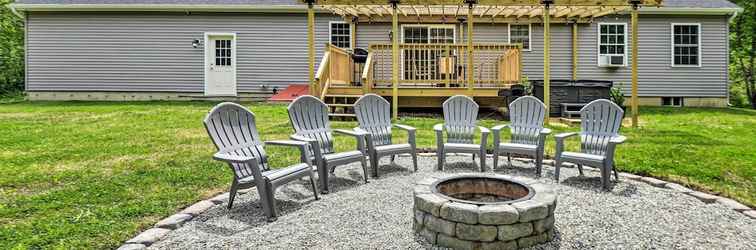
(268,204)
(483,159)
(606,175)
(375,162)
(314,186)
(539,162)
(580,169)
(440,155)
(323,177)
(414,159)
(364,169)
(616,175)
(557,164)
(232,193)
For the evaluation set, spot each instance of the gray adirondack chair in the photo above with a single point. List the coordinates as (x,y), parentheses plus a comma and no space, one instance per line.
(374,118)
(232,129)
(460,121)
(526,115)
(600,123)
(309,117)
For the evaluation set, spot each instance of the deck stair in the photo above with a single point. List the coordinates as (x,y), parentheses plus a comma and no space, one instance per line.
(341,107)
(571,110)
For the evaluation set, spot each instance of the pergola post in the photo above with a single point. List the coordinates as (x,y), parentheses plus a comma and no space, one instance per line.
(574,51)
(311,46)
(470,49)
(634,47)
(395,58)
(547,56)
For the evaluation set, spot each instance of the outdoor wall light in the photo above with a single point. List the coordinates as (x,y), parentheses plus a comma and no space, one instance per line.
(196,43)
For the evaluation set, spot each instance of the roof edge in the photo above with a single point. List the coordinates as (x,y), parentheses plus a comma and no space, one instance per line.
(166,7)
(691,10)
(292,8)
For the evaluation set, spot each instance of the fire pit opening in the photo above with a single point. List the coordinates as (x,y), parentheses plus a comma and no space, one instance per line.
(482,190)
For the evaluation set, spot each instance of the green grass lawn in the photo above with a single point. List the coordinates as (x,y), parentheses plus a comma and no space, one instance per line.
(91,175)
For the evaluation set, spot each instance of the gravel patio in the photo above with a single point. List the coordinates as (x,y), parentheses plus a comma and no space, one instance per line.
(378,215)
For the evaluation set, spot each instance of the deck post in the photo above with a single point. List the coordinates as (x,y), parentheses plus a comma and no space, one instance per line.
(470,50)
(634,47)
(574,50)
(547,56)
(395,58)
(311,46)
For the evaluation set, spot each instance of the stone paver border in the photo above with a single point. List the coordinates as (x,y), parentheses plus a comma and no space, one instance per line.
(170,223)
(448,223)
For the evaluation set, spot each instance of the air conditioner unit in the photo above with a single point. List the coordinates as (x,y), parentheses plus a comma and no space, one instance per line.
(612,60)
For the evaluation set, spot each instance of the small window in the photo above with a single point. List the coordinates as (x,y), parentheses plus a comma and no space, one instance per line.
(223,52)
(672,101)
(341,34)
(520,33)
(612,44)
(686,47)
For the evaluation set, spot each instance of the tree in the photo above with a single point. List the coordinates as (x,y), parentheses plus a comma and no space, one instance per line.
(11,50)
(743,49)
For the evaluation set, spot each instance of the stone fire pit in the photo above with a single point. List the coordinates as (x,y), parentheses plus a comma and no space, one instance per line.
(484,212)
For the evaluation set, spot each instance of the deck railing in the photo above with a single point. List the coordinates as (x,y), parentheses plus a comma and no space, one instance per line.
(444,65)
(336,69)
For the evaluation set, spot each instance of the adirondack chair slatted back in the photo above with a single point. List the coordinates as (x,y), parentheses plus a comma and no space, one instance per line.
(374,116)
(460,119)
(309,116)
(601,120)
(526,115)
(233,131)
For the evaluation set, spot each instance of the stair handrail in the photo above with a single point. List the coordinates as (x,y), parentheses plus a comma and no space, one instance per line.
(321,77)
(367,73)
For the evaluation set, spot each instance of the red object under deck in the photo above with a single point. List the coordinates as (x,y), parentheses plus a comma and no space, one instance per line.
(291,93)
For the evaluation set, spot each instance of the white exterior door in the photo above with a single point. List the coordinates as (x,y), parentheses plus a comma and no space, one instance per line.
(220,64)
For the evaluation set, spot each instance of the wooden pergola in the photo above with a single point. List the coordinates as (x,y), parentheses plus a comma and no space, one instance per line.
(496,11)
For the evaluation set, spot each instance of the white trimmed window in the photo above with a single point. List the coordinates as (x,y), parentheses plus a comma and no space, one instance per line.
(612,44)
(686,44)
(341,34)
(520,33)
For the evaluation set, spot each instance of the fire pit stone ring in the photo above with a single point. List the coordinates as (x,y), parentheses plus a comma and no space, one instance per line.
(484,211)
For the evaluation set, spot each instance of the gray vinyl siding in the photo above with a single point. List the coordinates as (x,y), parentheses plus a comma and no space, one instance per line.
(656,75)
(153,51)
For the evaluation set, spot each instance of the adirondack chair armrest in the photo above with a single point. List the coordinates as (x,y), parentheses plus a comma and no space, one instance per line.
(484,130)
(368,137)
(562,136)
(233,158)
(358,135)
(618,139)
(545,131)
(405,127)
(498,128)
(411,135)
(302,145)
(302,138)
(438,127)
(351,132)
